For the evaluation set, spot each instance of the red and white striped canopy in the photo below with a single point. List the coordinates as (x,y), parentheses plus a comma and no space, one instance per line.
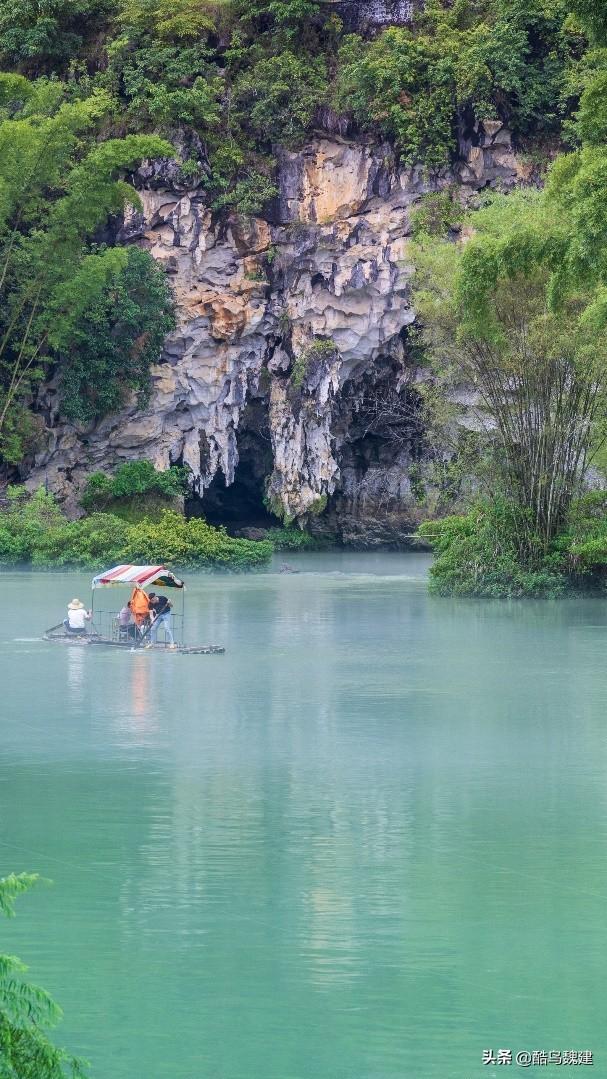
(138,575)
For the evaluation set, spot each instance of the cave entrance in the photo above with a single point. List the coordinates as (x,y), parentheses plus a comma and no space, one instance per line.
(238,506)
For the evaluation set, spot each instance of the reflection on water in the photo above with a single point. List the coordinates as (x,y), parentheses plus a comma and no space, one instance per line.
(366,843)
(75,672)
(141,710)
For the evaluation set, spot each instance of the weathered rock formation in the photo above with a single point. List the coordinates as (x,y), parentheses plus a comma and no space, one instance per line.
(366,15)
(290,361)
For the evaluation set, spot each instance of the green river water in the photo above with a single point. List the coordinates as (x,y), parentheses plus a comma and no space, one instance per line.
(368,842)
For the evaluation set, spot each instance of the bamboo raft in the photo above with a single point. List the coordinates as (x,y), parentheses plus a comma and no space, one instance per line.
(136,578)
(133,645)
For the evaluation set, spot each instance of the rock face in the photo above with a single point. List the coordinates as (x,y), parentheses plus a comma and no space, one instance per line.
(365,15)
(290,333)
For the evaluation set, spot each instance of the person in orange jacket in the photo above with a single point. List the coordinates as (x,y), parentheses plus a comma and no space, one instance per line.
(140,608)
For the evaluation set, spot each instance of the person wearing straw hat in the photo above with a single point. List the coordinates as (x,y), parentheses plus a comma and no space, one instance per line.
(77,617)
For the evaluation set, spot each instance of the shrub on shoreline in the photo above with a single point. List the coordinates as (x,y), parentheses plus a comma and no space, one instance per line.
(478,553)
(175,540)
(34,531)
(291,539)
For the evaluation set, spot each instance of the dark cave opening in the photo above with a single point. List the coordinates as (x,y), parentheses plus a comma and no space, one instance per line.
(239,505)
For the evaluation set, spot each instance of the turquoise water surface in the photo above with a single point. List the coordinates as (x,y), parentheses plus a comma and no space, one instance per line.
(368,842)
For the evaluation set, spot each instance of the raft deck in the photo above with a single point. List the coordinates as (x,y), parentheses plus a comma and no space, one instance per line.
(133,645)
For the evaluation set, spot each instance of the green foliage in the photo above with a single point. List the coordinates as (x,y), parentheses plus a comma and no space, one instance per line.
(560,232)
(506,59)
(585,540)
(167,74)
(116,338)
(92,541)
(527,53)
(169,20)
(401,84)
(140,477)
(165,82)
(318,506)
(278,96)
(513,313)
(592,16)
(133,479)
(34,530)
(56,189)
(24,525)
(290,13)
(248,196)
(576,197)
(12,887)
(195,543)
(478,554)
(239,77)
(41,35)
(291,539)
(590,125)
(298,371)
(436,214)
(27,1012)
(274,506)
(319,350)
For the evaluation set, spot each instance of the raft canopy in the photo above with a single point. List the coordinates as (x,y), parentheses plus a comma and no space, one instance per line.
(142,576)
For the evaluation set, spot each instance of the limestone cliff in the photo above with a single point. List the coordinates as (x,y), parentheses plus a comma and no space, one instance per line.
(291,330)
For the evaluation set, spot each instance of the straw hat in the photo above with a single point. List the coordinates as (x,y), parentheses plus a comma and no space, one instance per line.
(75,605)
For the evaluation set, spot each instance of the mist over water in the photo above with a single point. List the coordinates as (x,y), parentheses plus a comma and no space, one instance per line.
(367,842)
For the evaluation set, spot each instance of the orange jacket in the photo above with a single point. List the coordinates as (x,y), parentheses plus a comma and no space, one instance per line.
(140,605)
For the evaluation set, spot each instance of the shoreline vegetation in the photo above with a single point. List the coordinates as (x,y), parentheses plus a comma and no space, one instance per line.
(135,516)
(478,555)
(34,532)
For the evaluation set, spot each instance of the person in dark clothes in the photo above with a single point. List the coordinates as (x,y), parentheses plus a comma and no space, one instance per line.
(160,607)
